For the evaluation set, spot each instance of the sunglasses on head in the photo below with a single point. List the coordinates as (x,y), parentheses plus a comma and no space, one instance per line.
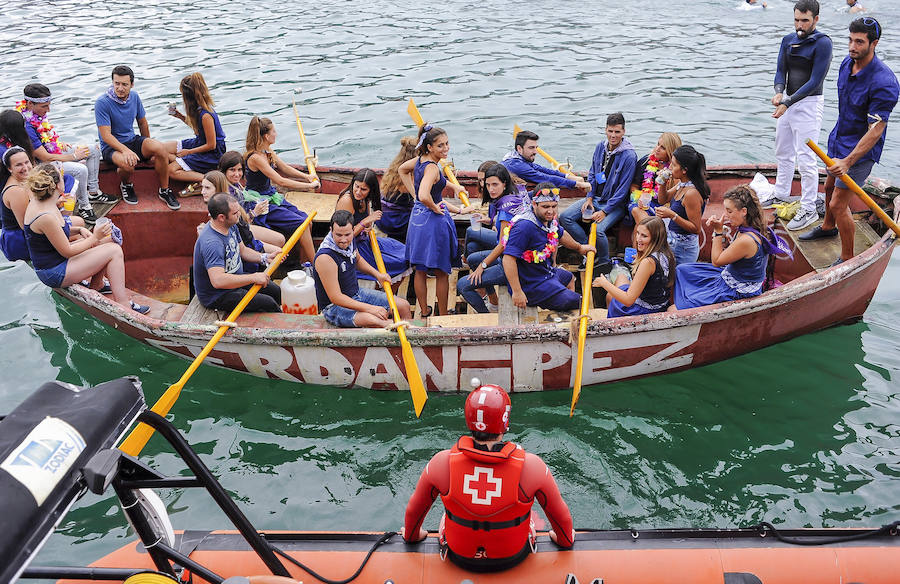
(546,191)
(872,23)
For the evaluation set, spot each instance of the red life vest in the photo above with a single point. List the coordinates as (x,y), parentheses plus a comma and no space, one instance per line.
(484,516)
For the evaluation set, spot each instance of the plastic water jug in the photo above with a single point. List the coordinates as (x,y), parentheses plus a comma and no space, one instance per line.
(298,294)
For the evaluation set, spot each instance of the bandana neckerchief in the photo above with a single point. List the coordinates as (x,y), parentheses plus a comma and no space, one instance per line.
(328,243)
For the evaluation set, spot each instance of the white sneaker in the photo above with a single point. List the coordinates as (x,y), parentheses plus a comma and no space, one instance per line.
(803,219)
(490,305)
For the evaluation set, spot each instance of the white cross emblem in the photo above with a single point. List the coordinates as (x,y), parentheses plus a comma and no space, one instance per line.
(482,486)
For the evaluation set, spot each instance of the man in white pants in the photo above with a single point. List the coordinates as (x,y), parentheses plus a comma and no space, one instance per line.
(803,62)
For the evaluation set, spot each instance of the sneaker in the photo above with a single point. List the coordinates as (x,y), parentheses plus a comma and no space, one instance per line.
(106,289)
(802,219)
(87,213)
(101,198)
(490,305)
(128,194)
(143,309)
(818,233)
(820,207)
(169,199)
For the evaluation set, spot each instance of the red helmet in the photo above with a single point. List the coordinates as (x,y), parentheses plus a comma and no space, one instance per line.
(487,409)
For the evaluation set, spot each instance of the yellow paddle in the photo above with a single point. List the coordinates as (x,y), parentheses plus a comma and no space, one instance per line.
(556,165)
(139,437)
(416,386)
(310,164)
(855,188)
(413,112)
(583,318)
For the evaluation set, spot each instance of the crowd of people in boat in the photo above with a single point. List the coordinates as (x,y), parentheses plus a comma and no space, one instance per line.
(663,194)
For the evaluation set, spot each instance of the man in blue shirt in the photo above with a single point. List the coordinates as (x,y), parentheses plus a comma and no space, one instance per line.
(867,93)
(612,169)
(520,162)
(803,62)
(115,113)
(528,254)
(219,279)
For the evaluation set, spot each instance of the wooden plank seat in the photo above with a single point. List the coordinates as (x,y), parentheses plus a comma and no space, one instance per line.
(821,253)
(196,313)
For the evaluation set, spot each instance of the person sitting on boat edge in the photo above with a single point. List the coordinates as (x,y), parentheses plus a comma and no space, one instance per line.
(686,203)
(488,486)
(653,274)
(651,174)
(530,242)
(742,266)
(396,202)
(115,113)
(13,202)
(362,198)
(520,162)
(505,202)
(63,254)
(265,167)
(612,169)
(192,157)
(219,279)
(867,94)
(337,290)
(232,166)
(81,162)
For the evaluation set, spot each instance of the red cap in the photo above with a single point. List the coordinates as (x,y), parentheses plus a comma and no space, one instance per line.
(487,409)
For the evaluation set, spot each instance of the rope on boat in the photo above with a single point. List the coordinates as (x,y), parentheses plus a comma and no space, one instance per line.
(386,536)
(764,528)
(227,323)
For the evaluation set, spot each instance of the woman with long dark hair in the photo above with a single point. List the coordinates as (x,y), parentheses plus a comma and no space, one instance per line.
(687,201)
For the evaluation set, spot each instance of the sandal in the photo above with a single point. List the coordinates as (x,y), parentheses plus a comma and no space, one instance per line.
(428,313)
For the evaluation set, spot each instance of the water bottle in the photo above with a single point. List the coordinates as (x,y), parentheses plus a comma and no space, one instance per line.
(618,269)
(307,267)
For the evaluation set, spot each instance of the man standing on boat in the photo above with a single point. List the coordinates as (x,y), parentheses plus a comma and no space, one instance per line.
(487,486)
(520,162)
(115,113)
(803,61)
(867,93)
(219,279)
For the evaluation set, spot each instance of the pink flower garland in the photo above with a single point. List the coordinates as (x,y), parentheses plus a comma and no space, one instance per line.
(49,137)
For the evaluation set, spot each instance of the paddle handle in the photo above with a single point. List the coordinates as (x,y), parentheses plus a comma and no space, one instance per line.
(379,263)
(413,112)
(856,189)
(310,165)
(586,297)
(135,442)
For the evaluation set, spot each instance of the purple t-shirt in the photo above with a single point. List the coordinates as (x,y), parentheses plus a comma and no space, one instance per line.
(538,280)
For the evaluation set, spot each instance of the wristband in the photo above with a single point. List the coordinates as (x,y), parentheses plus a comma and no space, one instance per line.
(719,234)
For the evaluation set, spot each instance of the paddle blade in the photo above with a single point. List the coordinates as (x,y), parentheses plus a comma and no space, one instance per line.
(586,297)
(135,442)
(516,130)
(416,386)
(413,112)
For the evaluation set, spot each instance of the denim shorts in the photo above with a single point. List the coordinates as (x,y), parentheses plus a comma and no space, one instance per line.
(859,172)
(54,276)
(343,317)
(134,145)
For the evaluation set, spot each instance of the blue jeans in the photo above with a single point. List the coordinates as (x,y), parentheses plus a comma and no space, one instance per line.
(480,239)
(343,317)
(685,247)
(571,221)
(493,276)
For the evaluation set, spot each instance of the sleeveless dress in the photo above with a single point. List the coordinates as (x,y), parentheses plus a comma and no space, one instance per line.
(653,298)
(12,238)
(431,241)
(685,246)
(49,264)
(392,252)
(284,217)
(395,212)
(205,161)
(246,234)
(702,284)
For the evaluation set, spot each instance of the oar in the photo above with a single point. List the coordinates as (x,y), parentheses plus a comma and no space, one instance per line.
(583,317)
(310,165)
(855,188)
(556,165)
(413,112)
(416,386)
(139,437)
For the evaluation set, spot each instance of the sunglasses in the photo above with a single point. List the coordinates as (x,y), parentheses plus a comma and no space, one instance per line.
(871,22)
(547,192)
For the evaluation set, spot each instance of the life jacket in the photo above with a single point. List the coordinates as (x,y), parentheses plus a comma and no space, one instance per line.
(484,517)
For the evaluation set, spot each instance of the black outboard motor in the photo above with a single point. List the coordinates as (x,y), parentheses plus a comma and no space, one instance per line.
(44,443)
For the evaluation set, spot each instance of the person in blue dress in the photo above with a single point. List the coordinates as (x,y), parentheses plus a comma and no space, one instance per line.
(478,239)
(396,202)
(505,202)
(13,202)
(265,169)
(740,267)
(530,245)
(687,201)
(431,242)
(653,274)
(362,198)
(193,157)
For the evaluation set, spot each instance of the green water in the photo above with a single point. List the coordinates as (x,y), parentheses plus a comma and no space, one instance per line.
(803,434)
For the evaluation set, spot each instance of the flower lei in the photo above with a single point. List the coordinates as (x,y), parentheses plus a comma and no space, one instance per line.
(648,185)
(532,255)
(49,137)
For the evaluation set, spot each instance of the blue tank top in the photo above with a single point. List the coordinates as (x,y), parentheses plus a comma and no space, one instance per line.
(746,271)
(43,255)
(7,217)
(220,133)
(346,277)
(656,292)
(677,206)
(438,186)
(259,182)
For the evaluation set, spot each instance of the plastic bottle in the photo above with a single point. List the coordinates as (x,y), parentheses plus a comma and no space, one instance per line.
(307,267)
(618,269)
(298,294)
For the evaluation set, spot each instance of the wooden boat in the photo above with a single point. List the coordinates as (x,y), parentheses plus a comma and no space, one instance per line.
(524,351)
(78,429)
